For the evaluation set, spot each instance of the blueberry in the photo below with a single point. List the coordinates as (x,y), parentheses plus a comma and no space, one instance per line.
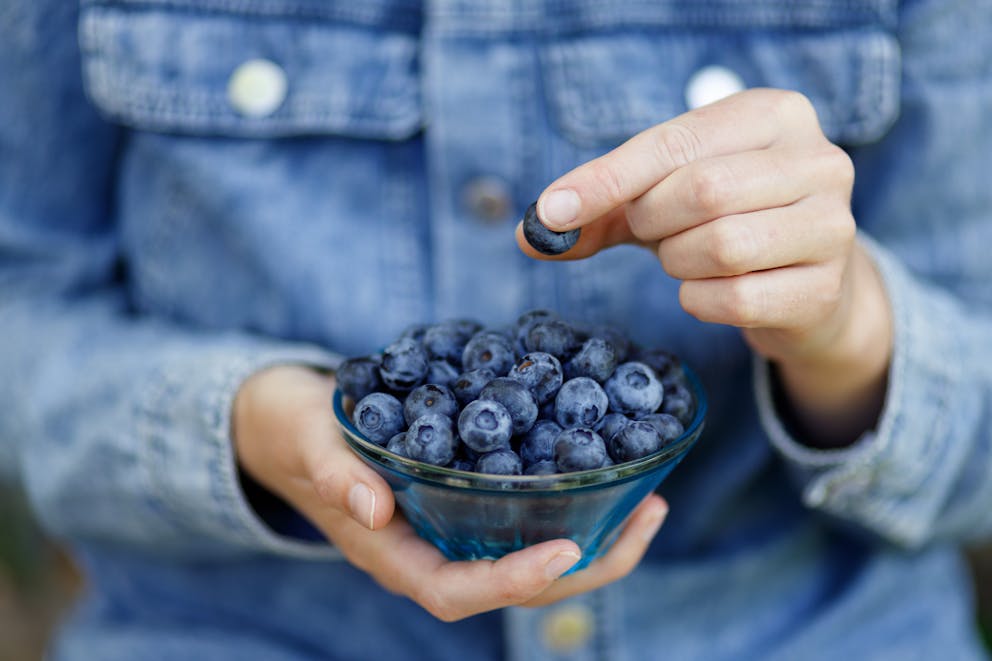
(539,443)
(579,449)
(679,403)
(488,349)
(545,240)
(397,444)
(666,365)
(404,364)
(525,322)
(541,373)
(581,402)
(611,424)
(429,398)
(516,398)
(542,468)
(633,389)
(485,425)
(621,343)
(596,358)
(554,337)
(469,384)
(378,417)
(441,372)
(357,377)
(414,332)
(446,342)
(430,439)
(500,462)
(637,439)
(467,327)
(668,426)
(462,464)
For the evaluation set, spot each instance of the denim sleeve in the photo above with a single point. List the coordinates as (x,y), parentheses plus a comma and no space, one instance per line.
(924,202)
(115,424)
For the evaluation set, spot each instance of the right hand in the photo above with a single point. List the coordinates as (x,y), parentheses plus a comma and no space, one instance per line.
(287,440)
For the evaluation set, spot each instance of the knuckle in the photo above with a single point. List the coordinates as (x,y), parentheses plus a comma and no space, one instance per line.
(437,605)
(790,103)
(676,145)
(741,304)
(608,179)
(839,166)
(729,248)
(638,213)
(708,187)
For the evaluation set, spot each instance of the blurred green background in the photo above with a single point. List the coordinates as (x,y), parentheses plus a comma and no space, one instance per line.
(38,583)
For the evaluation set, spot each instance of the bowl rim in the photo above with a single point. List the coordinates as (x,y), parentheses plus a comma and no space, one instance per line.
(452,477)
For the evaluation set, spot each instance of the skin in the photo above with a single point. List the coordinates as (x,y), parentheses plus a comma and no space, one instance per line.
(749,205)
(286,439)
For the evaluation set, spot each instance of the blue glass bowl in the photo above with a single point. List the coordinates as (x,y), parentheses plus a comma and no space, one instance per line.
(470,516)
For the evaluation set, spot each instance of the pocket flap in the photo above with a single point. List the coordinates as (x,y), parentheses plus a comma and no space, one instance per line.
(170,70)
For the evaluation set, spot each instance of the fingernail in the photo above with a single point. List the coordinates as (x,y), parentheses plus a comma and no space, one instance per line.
(655,525)
(361,502)
(561,563)
(559,208)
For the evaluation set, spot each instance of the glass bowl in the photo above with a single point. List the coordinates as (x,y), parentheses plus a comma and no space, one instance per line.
(470,516)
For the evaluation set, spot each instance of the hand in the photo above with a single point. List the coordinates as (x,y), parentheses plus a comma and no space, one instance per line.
(286,439)
(748,203)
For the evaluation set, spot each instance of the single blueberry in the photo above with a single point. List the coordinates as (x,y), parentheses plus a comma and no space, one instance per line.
(358,377)
(445,342)
(637,439)
(499,462)
(621,343)
(404,364)
(666,365)
(581,402)
(397,444)
(469,384)
(554,336)
(579,449)
(634,389)
(378,417)
(668,426)
(441,372)
(542,468)
(462,464)
(679,402)
(485,425)
(516,398)
(539,443)
(544,240)
(430,439)
(490,350)
(611,424)
(414,332)
(541,373)
(596,358)
(429,398)
(525,322)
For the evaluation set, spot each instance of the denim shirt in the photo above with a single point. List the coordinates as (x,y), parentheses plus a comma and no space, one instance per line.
(164,234)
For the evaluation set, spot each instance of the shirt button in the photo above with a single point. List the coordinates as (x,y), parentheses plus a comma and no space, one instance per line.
(257,88)
(711,84)
(487,198)
(568,628)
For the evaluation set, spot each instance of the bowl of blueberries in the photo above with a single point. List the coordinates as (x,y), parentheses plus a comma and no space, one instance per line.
(493,440)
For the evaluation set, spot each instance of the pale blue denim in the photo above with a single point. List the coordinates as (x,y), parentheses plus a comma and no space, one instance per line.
(157,247)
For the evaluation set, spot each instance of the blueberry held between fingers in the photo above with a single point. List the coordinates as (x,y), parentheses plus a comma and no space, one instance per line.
(545,240)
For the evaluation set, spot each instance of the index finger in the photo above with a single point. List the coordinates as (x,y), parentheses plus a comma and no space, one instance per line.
(751,120)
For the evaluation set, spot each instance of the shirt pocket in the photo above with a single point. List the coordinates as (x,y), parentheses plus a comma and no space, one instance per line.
(169,69)
(604,88)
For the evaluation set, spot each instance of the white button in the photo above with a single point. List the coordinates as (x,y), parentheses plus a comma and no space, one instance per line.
(257,88)
(711,84)
(567,628)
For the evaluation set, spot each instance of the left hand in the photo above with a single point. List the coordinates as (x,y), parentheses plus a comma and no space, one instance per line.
(748,203)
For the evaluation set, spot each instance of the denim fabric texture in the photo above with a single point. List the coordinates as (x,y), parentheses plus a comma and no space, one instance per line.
(157,247)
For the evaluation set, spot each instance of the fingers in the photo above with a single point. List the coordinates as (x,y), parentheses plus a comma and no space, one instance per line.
(794,297)
(752,120)
(620,560)
(804,232)
(405,564)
